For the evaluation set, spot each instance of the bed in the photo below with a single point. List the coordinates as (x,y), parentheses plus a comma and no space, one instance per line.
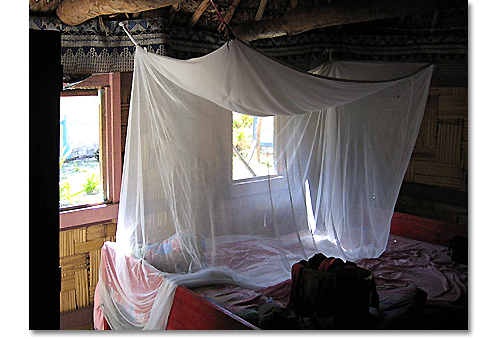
(344,136)
(419,286)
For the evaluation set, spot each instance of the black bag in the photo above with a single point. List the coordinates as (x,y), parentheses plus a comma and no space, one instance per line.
(336,294)
(458,249)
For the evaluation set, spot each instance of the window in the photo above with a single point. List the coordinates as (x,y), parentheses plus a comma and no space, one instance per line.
(90,151)
(253,147)
(81,172)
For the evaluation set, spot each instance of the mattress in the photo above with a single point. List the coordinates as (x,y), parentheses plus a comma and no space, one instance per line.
(407,268)
(412,277)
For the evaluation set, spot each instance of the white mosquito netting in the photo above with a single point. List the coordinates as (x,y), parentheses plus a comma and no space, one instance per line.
(342,142)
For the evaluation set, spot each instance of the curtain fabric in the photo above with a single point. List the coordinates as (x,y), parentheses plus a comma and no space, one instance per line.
(343,139)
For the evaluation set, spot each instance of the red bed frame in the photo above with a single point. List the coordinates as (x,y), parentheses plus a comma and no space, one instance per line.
(193,312)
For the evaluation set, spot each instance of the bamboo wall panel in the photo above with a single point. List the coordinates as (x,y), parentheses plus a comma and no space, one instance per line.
(441,150)
(440,157)
(79,257)
(126,88)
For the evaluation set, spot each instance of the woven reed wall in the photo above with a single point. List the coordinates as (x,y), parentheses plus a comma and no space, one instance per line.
(79,257)
(440,157)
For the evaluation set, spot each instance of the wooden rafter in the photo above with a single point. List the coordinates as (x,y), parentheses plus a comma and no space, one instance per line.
(174,9)
(74,12)
(339,13)
(291,5)
(199,11)
(228,15)
(260,10)
(435,19)
(43,6)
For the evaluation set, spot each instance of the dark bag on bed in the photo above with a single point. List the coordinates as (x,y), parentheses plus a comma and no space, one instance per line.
(336,294)
(458,249)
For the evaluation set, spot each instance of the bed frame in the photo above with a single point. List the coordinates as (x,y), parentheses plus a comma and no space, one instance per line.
(424,229)
(193,312)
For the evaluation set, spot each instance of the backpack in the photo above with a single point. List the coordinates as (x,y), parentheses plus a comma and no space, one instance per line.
(458,249)
(334,293)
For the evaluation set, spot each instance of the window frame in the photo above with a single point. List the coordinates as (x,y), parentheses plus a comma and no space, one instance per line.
(254,185)
(111,153)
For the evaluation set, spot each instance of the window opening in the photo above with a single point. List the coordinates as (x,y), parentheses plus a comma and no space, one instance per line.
(81,179)
(253,146)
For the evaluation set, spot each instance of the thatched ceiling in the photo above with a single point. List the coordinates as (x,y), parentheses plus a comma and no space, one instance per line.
(257,19)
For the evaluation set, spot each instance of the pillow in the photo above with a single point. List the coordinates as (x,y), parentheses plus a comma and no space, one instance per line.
(177,254)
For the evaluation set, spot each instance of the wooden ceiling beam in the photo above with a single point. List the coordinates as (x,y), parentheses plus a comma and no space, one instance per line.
(174,9)
(260,10)
(44,6)
(228,15)
(340,13)
(75,12)
(291,5)
(199,11)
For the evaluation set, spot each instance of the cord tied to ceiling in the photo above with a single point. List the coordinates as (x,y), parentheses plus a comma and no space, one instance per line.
(229,33)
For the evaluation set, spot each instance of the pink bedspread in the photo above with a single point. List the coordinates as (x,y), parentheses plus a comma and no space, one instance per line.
(405,262)
(425,265)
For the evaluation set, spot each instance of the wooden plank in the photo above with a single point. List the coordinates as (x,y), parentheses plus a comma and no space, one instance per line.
(68,283)
(427,134)
(72,258)
(96,232)
(425,229)
(89,246)
(339,13)
(454,106)
(260,10)
(437,174)
(67,301)
(424,154)
(228,15)
(82,288)
(95,262)
(197,14)
(449,141)
(447,216)
(79,236)
(66,243)
(174,9)
(190,311)
(92,289)
(110,230)
(77,12)
(70,267)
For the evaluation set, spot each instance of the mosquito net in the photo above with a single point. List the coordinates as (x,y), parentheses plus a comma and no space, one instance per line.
(341,141)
